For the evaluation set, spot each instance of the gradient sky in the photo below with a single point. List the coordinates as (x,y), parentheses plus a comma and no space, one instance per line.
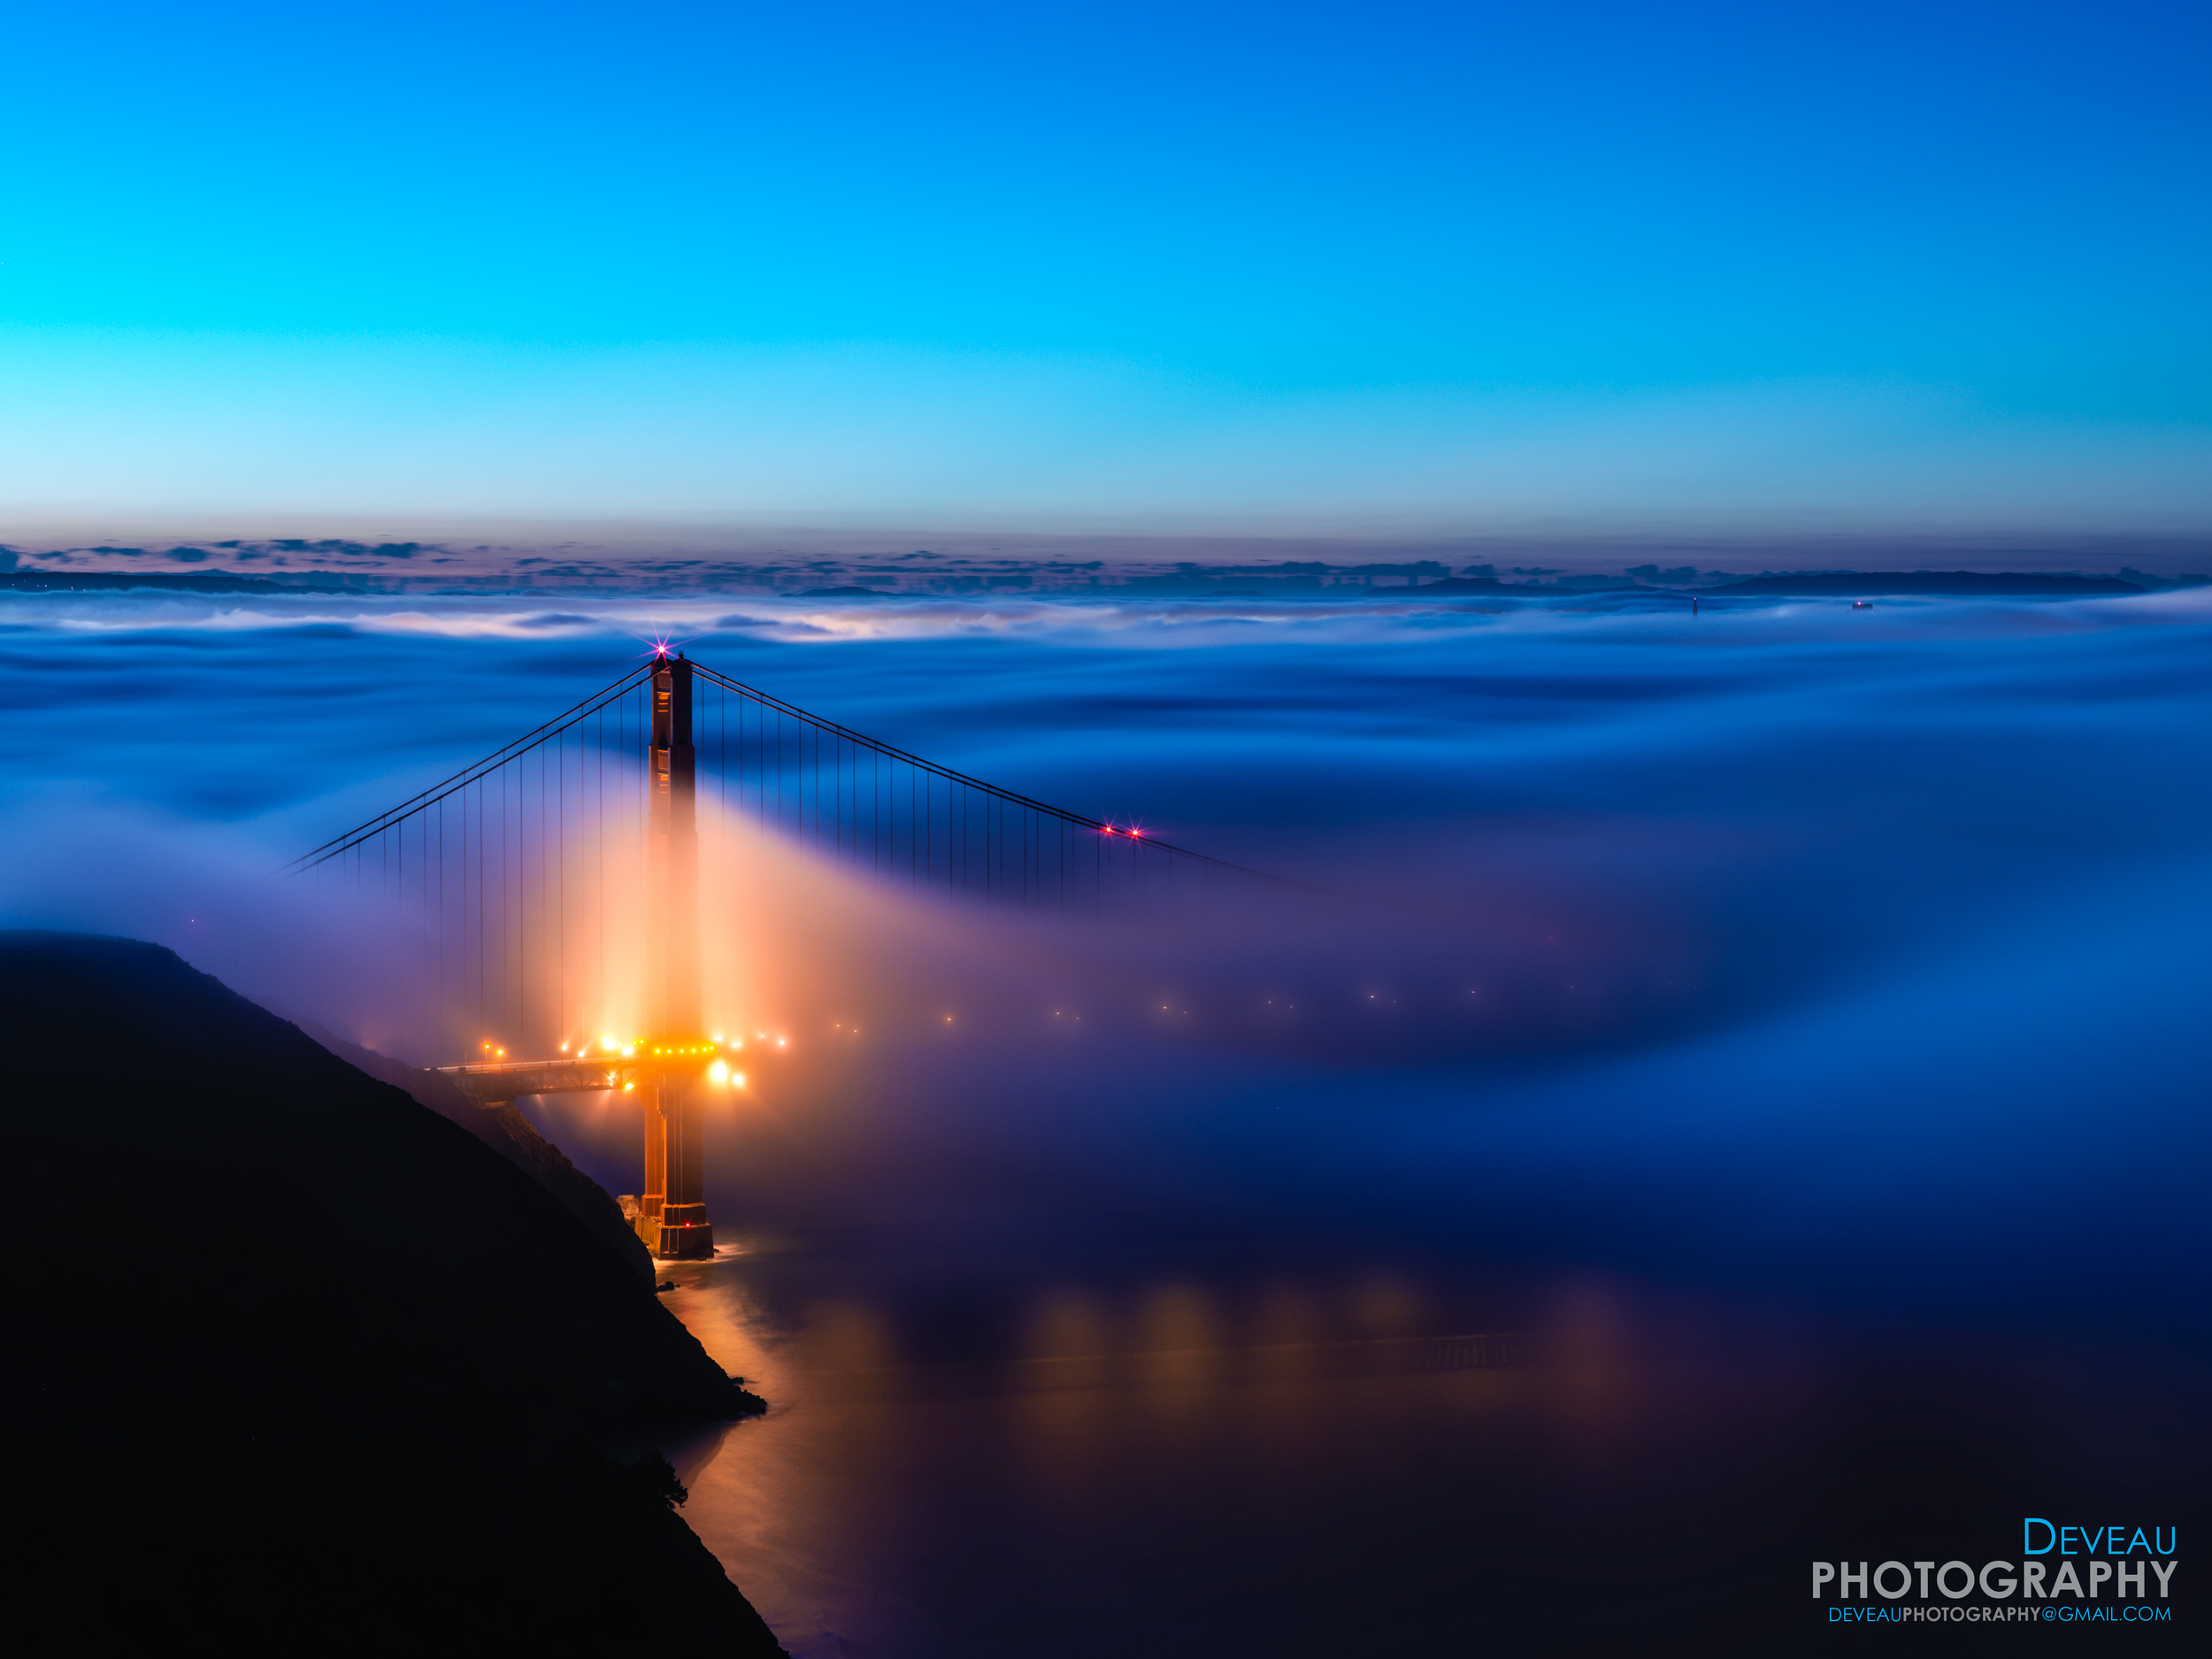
(1464,266)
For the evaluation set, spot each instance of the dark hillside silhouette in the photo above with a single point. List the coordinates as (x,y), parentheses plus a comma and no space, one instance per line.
(514,1137)
(292,1363)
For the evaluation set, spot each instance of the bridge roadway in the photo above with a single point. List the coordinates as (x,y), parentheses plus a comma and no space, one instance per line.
(493,1081)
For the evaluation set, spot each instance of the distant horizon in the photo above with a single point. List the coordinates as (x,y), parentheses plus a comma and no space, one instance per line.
(603,554)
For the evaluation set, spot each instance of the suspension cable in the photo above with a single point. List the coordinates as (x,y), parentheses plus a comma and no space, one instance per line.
(467,775)
(600,701)
(962,778)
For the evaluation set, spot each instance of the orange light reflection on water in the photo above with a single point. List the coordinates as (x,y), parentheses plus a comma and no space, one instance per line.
(1108,1412)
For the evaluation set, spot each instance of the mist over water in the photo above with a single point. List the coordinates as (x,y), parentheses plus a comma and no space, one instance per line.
(1737,996)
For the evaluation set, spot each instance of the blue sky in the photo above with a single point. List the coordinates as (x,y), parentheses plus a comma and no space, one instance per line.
(1464,266)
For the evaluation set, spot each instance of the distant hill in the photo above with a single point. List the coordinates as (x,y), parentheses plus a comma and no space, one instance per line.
(1949,584)
(1449,584)
(292,1363)
(172,582)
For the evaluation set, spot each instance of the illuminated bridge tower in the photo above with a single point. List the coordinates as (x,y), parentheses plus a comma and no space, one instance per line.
(672,1212)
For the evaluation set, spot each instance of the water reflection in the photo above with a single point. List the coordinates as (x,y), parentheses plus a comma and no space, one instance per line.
(1266,1464)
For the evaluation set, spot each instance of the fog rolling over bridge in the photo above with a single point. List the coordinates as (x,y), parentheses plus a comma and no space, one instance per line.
(552,894)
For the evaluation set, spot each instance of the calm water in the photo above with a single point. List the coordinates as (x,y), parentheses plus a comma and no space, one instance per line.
(1780,1034)
(1219,1462)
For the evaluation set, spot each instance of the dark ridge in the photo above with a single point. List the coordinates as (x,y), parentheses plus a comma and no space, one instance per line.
(515,1138)
(843,592)
(179,581)
(1566,587)
(294,1363)
(1950,584)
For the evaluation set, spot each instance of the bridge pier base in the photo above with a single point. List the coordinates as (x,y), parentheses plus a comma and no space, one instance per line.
(684,1233)
(654,1187)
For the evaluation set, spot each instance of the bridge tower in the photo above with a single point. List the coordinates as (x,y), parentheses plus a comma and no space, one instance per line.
(672,1212)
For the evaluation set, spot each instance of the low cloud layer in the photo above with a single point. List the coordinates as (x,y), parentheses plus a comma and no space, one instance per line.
(1784,934)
